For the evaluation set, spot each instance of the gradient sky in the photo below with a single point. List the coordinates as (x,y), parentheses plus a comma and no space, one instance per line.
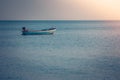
(59,9)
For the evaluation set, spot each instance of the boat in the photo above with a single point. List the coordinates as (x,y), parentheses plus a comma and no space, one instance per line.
(38,32)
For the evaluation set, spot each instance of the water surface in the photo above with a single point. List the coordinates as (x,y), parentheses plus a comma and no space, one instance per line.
(79,50)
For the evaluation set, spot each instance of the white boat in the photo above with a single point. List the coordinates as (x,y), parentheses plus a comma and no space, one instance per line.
(38,32)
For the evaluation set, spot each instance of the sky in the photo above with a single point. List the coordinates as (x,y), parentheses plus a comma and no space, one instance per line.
(59,9)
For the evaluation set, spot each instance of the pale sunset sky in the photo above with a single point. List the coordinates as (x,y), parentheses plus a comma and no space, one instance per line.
(59,9)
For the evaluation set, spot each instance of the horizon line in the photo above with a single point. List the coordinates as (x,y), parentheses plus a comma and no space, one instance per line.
(56,20)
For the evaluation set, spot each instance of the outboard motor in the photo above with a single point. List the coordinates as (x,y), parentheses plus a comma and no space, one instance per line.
(23,28)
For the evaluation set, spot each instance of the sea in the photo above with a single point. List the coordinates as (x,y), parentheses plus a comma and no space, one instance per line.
(78,50)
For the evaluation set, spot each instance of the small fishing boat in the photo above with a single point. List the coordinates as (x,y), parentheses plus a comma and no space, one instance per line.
(38,32)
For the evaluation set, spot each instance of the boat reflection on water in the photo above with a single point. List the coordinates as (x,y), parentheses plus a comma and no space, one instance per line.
(38,32)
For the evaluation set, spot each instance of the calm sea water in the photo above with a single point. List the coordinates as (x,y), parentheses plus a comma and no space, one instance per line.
(79,50)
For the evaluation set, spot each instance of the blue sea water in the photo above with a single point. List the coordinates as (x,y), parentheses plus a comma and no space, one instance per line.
(79,50)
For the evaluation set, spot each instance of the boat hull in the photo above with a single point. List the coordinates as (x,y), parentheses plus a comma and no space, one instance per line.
(40,32)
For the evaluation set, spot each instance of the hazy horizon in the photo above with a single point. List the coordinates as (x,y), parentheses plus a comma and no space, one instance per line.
(59,10)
